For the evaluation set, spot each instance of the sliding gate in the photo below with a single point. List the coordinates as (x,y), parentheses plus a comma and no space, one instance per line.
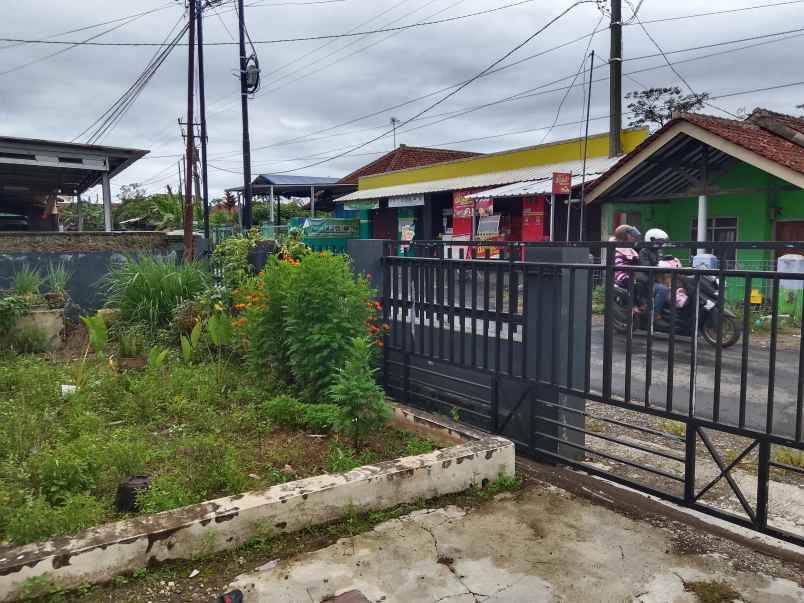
(529,341)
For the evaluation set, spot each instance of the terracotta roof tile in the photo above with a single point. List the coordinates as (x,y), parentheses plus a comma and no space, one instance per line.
(404,157)
(742,133)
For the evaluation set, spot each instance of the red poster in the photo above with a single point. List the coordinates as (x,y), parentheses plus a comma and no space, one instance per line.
(562,183)
(462,214)
(533,219)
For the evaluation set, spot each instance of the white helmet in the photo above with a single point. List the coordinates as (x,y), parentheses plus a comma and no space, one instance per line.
(656,235)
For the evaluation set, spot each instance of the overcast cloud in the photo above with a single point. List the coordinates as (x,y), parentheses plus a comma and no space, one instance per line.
(309,86)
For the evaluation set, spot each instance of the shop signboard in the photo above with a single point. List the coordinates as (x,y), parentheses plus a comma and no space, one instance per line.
(329,233)
(562,183)
(485,207)
(361,205)
(406,201)
(461,206)
(533,218)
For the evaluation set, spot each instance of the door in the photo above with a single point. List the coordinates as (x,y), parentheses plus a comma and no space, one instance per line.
(384,224)
(790,231)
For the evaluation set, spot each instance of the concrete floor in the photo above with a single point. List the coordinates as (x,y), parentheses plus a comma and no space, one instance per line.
(542,545)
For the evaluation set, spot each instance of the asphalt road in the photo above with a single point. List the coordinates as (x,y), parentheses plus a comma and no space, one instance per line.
(784,392)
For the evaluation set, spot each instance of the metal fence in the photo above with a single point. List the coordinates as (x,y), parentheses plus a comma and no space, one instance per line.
(506,338)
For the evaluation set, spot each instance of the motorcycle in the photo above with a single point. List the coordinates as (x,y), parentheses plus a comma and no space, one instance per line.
(627,315)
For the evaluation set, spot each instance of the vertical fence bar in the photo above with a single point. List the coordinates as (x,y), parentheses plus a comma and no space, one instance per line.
(513,301)
(694,347)
(744,357)
(523,339)
(451,304)
(671,345)
(690,442)
(441,289)
(555,323)
(474,313)
(772,356)
(571,324)
(649,342)
(405,266)
(721,300)
(800,388)
(431,288)
(587,365)
(495,403)
(629,335)
(608,324)
(386,308)
(763,478)
(498,312)
(421,267)
(462,316)
(486,310)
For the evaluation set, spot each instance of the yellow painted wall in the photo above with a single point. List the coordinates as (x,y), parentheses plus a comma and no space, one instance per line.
(546,154)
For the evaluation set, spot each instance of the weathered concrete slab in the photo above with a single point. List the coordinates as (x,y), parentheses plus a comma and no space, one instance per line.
(98,554)
(542,546)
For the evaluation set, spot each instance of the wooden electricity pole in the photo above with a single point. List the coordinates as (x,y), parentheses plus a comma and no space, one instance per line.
(188,170)
(616,79)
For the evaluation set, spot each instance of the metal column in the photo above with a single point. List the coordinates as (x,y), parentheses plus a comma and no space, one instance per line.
(312,202)
(107,202)
(703,208)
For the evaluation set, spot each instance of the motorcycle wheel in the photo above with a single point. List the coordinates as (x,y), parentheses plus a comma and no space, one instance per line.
(731,331)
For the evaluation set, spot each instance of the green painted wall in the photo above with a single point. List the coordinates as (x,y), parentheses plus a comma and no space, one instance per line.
(752,210)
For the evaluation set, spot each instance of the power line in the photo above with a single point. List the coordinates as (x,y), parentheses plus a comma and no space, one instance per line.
(384,30)
(458,89)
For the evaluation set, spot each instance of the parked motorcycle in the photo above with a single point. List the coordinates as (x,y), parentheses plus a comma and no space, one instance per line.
(709,317)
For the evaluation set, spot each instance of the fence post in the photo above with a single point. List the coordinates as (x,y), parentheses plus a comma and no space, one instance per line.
(556,350)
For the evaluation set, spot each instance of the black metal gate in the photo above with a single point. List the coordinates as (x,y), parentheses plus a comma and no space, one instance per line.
(534,341)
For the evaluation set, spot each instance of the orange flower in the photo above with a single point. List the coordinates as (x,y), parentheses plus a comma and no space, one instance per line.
(240,306)
(380,344)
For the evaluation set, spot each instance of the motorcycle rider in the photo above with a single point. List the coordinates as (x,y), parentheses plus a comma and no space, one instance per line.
(625,256)
(649,256)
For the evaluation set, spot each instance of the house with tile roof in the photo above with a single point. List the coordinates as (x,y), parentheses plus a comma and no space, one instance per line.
(404,157)
(743,179)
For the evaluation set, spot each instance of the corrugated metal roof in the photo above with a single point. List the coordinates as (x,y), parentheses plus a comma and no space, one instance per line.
(594,165)
(542,186)
(283,179)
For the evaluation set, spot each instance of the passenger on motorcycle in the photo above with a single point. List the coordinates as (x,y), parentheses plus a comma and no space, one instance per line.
(625,256)
(649,256)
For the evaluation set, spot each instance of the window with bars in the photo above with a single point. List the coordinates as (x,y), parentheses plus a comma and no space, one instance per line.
(722,230)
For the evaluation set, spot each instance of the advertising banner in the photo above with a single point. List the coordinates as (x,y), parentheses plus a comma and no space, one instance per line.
(533,219)
(406,201)
(562,183)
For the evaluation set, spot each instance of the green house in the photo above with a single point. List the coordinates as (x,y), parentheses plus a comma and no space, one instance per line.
(743,178)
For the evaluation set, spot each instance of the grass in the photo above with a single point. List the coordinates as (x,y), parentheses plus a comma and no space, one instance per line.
(676,428)
(789,456)
(712,591)
(265,545)
(598,300)
(196,430)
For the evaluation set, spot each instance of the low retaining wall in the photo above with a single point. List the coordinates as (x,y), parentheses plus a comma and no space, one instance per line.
(98,554)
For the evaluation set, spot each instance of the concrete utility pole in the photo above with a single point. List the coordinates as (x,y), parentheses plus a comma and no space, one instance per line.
(616,81)
(246,214)
(188,170)
(202,106)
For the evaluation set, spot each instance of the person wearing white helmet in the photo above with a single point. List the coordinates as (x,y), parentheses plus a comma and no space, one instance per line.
(649,256)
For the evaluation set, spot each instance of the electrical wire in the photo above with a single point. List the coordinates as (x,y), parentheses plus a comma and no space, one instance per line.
(363,33)
(455,91)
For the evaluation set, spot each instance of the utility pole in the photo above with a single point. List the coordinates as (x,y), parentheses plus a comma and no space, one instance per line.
(616,78)
(246,215)
(188,170)
(586,143)
(202,105)
(394,121)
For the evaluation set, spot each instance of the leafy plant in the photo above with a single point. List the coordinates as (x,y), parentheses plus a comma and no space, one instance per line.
(165,492)
(38,519)
(12,307)
(230,259)
(27,281)
(362,401)
(288,411)
(132,343)
(29,339)
(147,289)
(220,330)
(189,345)
(157,357)
(187,314)
(97,331)
(57,276)
(342,459)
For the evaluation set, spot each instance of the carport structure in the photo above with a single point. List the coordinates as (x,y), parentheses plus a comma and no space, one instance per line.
(34,172)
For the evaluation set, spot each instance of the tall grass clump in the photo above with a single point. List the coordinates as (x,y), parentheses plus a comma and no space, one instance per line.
(147,289)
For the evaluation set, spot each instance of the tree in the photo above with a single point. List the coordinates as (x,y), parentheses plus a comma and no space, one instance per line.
(800,107)
(654,107)
(132,191)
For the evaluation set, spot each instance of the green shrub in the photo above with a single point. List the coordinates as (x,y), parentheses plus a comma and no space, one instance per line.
(290,412)
(230,259)
(12,307)
(65,469)
(97,331)
(165,493)
(29,339)
(57,276)
(37,519)
(283,410)
(320,418)
(212,463)
(131,342)
(27,281)
(326,307)
(356,391)
(147,289)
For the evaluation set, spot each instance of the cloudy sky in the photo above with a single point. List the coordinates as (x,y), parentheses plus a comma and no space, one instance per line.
(314,86)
